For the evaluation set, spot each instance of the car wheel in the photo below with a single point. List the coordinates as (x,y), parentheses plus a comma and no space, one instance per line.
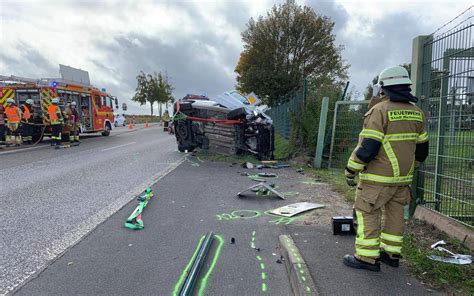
(106,132)
(115,124)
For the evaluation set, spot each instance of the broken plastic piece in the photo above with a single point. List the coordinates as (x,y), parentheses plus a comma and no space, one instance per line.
(267,175)
(232,240)
(248,165)
(438,243)
(465,259)
(261,188)
(280,166)
(295,209)
(279,261)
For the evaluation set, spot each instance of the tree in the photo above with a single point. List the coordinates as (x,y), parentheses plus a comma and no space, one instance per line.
(153,88)
(290,44)
(370,87)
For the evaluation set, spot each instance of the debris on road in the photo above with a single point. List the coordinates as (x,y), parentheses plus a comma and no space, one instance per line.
(256,178)
(280,166)
(296,208)
(267,175)
(248,165)
(134,221)
(262,188)
(300,171)
(232,240)
(452,259)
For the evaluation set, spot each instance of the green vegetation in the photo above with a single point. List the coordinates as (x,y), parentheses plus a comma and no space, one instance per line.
(289,44)
(282,148)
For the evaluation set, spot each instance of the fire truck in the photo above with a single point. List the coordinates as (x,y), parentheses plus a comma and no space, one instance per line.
(95,106)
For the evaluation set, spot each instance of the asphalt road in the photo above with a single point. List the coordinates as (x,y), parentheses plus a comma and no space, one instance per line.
(49,199)
(195,198)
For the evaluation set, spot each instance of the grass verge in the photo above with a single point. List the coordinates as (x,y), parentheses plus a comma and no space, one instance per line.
(448,278)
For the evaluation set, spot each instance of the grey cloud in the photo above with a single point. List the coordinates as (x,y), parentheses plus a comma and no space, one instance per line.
(30,62)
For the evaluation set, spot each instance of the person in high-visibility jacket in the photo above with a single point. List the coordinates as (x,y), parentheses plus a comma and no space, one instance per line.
(392,144)
(2,123)
(56,121)
(73,123)
(27,121)
(13,114)
(166,120)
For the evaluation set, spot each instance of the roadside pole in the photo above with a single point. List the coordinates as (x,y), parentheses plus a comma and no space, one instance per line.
(321,133)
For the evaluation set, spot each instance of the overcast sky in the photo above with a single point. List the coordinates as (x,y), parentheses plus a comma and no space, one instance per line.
(196,42)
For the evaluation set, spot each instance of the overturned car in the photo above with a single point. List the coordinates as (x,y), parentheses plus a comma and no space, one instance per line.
(227,124)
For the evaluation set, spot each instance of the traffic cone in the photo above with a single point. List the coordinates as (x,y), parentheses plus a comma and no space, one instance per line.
(130,126)
(146,124)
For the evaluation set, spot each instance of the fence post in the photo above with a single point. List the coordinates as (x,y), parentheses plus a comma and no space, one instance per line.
(421,55)
(321,133)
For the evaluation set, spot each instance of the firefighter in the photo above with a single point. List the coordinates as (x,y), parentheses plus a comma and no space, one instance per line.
(73,123)
(56,121)
(27,121)
(393,142)
(13,114)
(2,123)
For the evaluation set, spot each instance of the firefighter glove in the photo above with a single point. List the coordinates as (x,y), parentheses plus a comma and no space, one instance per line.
(350,177)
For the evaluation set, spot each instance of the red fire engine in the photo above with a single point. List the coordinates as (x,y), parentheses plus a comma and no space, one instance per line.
(95,106)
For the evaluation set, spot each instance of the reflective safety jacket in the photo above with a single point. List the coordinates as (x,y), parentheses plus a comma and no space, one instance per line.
(55,115)
(396,129)
(13,114)
(26,113)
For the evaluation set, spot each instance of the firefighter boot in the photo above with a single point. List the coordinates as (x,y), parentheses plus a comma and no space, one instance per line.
(393,261)
(352,261)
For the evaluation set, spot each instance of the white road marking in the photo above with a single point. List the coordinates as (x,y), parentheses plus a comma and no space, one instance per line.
(24,149)
(119,146)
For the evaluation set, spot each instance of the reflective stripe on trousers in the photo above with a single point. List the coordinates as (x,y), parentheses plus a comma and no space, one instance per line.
(365,247)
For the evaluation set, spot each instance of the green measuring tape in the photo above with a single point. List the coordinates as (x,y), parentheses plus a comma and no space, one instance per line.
(134,221)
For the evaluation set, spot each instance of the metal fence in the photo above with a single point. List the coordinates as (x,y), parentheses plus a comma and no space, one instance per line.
(445,182)
(346,126)
(281,114)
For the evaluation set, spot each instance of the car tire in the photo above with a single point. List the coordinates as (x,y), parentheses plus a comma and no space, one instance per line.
(239,113)
(115,124)
(107,130)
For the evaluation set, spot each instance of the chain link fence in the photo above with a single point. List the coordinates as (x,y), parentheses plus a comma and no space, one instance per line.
(346,126)
(445,182)
(282,114)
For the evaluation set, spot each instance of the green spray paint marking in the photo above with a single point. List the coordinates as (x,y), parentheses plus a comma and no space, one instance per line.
(203,282)
(251,214)
(186,270)
(283,220)
(301,273)
(260,260)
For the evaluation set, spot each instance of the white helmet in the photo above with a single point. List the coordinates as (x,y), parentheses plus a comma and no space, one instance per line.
(10,100)
(394,76)
(29,102)
(55,100)
(73,103)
